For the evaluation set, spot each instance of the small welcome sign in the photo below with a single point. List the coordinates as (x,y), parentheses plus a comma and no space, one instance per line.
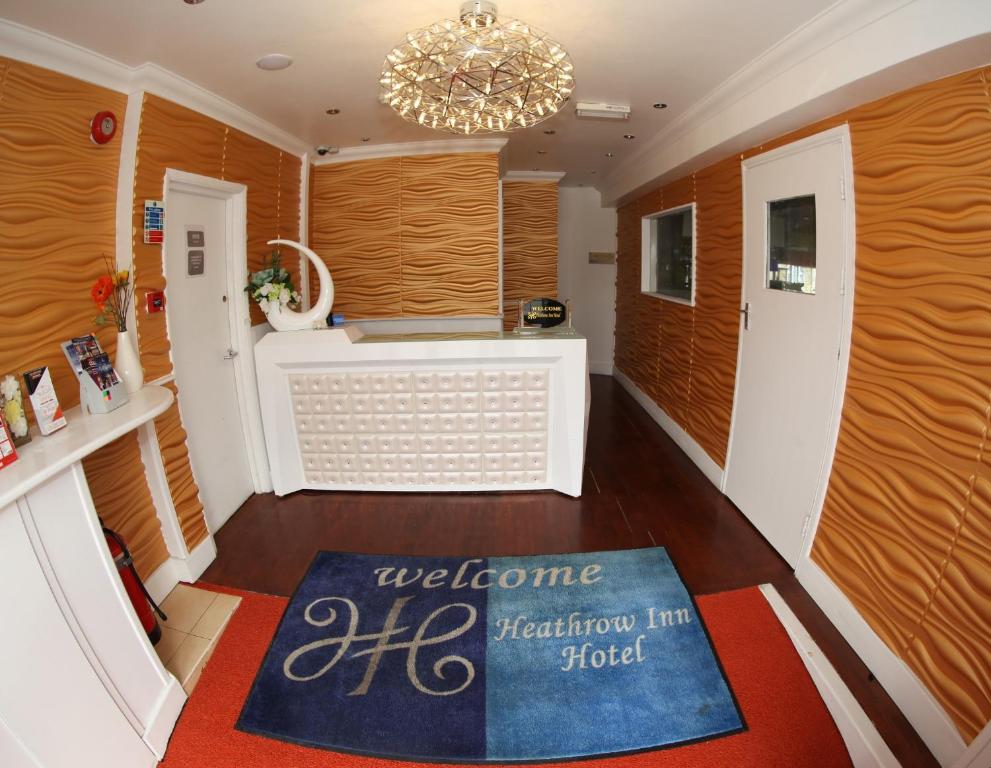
(498,659)
(543,313)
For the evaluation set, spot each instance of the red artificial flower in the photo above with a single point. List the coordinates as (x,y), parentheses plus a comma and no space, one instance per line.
(101,290)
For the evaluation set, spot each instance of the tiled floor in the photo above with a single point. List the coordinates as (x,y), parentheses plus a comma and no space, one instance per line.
(196,620)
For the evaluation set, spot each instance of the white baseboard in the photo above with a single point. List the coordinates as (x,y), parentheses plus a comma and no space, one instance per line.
(603,367)
(161,582)
(198,561)
(912,697)
(686,442)
(865,745)
(177,569)
(162,722)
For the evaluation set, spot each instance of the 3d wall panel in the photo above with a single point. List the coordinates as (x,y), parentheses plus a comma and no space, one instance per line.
(529,244)
(410,236)
(684,357)
(175,137)
(905,528)
(58,192)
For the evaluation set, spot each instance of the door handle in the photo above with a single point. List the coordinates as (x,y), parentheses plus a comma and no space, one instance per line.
(746,315)
(231,354)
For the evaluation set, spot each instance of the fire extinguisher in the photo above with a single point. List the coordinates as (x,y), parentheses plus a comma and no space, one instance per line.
(140,598)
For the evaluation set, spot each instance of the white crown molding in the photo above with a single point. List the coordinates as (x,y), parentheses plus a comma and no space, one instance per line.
(554,176)
(411,148)
(161,82)
(43,50)
(847,55)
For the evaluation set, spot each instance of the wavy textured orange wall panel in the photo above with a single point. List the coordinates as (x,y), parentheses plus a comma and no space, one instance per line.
(906,522)
(529,244)
(116,479)
(450,235)
(58,192)
(674,360)
(411,236)
(684,357)
(719,225)
(175,457)
(170,136)
(290,168)
(354,228)
(640,317)
(249,161)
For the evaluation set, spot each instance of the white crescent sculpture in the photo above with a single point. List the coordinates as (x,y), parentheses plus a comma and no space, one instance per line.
(282,318)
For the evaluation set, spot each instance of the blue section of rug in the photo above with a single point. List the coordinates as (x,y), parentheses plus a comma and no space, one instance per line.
(491,659)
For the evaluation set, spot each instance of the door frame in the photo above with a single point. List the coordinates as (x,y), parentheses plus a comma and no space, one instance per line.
(235,197)
(839,135)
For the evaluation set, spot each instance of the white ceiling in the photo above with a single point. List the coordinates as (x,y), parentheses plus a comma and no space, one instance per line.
(637,52)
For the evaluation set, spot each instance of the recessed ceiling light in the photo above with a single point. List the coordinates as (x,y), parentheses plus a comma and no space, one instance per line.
(550,132)
(273,61)
(660,105)
(366,138)
(541,151)
(610,154)
(628,136)
(333,111)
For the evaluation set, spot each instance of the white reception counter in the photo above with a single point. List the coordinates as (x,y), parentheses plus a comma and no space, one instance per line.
(482,411)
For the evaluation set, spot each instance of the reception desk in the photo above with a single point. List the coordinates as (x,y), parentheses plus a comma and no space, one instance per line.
(477,411)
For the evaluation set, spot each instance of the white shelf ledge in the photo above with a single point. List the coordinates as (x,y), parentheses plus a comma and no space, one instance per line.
(46,456)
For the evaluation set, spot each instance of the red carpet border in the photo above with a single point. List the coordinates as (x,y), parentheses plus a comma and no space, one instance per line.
(789,726)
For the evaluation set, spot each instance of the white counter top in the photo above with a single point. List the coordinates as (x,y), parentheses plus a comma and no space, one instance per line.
(46,456)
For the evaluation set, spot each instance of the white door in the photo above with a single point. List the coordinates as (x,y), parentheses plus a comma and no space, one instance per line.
(198,307)
(788,389)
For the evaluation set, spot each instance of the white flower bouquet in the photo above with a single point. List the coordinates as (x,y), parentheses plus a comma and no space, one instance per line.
(12,403)
(272,286)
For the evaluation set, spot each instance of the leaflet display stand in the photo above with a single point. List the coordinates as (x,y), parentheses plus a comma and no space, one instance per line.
(100,387)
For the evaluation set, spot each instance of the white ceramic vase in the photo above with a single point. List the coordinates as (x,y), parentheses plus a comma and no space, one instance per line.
(128,364)
(284,319)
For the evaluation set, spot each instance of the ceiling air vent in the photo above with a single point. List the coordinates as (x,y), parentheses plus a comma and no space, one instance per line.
(597,109)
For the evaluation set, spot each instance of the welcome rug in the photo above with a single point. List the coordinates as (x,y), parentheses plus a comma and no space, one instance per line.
(491,659)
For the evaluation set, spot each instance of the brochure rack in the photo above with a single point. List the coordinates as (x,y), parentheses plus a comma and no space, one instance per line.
(100,387)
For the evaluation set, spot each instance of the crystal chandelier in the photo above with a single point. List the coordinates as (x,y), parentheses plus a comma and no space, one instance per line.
(477,75)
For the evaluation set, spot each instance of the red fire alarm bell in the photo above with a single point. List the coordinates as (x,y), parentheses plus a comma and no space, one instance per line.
(102,127)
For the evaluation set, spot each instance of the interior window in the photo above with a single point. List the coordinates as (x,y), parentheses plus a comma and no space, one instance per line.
(669,254)
(791,244)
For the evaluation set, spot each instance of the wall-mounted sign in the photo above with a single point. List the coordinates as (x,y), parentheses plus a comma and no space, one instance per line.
(154,221)
(194,262)
(544,313)
(195,240)
(601,257)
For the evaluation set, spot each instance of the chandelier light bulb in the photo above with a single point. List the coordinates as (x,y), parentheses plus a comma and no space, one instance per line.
(477,74)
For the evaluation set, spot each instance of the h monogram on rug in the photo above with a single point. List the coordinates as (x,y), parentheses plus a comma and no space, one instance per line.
(491,659)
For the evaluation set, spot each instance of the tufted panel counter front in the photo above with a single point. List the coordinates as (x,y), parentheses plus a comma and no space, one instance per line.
(484,411)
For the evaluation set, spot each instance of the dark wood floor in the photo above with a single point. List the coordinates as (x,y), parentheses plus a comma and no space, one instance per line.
(639,490)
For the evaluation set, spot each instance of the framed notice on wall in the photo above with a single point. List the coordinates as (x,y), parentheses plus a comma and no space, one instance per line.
(154,222)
